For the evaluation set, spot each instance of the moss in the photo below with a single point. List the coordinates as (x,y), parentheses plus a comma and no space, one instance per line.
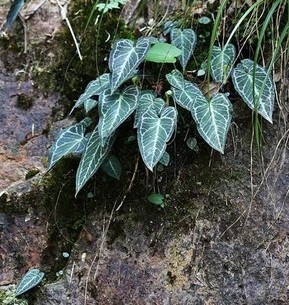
(69,74)
(31,173)
(8,298)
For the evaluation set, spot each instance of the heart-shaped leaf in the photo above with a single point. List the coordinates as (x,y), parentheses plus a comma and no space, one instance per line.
(186,41)
(243,80)
(147,100)
(115,109)
(95,87)
(213,120)
(176,79)
(94,154)
(157,199)
(192,143)
(125,58)
(222,62)
(204,20)
(71,140)
(184,92)
(32,278)
(163,52)
(154,131)
(112,167)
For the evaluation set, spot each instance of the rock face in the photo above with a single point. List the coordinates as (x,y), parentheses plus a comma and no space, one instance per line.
(218,247)
(26,114)
(222,237)
(25,118)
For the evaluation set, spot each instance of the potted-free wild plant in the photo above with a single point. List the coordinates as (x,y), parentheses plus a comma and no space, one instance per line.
(155,117)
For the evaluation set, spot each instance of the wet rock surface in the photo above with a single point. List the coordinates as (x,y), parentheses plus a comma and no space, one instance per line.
(225,249)
(25,120)
(222,237)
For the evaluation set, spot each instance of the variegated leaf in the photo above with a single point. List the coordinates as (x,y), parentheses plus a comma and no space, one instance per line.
(94,154)
(95,87)
(186,41)
(176,79)
(213,120)
(222,63)
(115,109)
(184,92)
(154,131)
(32,278)
(147,100)
(124,59)
(263,87)
(89,104)
(71,140)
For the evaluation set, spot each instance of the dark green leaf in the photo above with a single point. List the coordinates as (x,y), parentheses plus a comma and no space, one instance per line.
(191,143)
(71,140)
(115,109)
(185,40)
(14,12)
(125,58)
(222,62)
(184,92)
(165,159)
(213,120)
(263,87)
(154,131)
(94,154)
(32,278)
(89,104)
(95,87)
(147,100)
(112,167)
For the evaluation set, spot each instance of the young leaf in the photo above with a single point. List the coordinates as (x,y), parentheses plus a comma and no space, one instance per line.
(165,159)
(154,132)
(184,92)
(191,143)
(112,167)
(115,109)
(125,58)
(32,278)
(213,120)
(147,100)
(204,20)
(222,62)
(95,87)
(157,199)
(186,41)
(71,140)
(163,52)
(263,88)
(94,154)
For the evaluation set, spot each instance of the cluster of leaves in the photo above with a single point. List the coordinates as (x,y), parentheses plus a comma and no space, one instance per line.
(109,5)
(154,118)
